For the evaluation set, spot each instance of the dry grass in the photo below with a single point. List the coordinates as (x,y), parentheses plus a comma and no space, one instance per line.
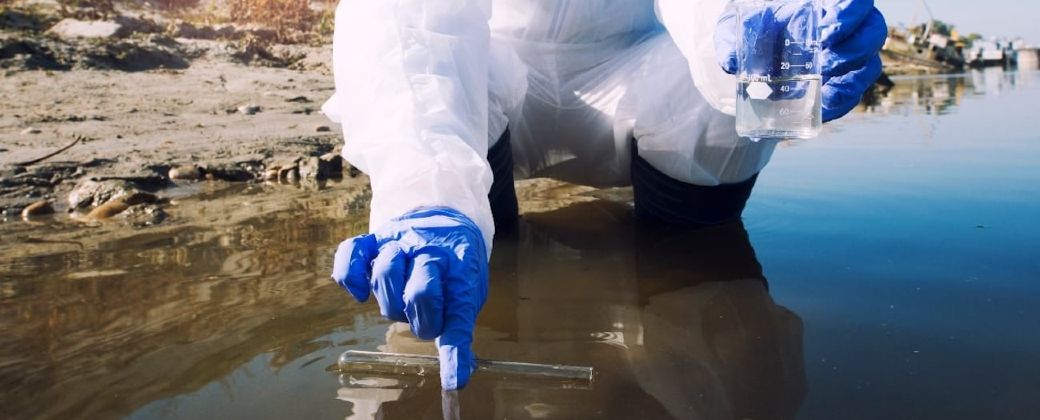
(284,16)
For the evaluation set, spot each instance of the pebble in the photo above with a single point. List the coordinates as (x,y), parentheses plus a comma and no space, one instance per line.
(69,28)
(230,173)
(31,130)
(120,204)
(249,109)
(38,208)
(185,172)
(271,174)
(289,175)
(90,193)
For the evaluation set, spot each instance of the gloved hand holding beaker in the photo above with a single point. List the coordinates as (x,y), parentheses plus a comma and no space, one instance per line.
(838,40)
(427,268)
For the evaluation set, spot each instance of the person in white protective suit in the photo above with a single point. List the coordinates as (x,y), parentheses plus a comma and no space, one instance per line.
(442,101)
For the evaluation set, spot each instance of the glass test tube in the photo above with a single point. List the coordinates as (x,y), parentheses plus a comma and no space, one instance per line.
(414,364)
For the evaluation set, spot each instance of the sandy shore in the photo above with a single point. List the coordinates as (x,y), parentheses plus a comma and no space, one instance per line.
(226,111)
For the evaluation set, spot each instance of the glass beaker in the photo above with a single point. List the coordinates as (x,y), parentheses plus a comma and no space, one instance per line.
(779,79)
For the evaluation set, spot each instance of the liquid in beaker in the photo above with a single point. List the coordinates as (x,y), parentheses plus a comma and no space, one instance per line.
(779,80)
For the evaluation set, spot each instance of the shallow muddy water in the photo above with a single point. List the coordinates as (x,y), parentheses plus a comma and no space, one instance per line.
(886,270)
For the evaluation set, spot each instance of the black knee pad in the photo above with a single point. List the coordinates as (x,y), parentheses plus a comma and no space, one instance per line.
(504,207)
(663,200)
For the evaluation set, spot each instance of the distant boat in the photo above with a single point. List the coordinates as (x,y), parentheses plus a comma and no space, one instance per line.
(923,48)
(937,52)
(993,52)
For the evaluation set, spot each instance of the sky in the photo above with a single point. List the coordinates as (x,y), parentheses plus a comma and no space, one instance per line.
(990,17)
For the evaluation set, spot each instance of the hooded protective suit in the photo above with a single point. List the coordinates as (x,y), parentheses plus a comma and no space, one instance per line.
(425,87)
(574,80)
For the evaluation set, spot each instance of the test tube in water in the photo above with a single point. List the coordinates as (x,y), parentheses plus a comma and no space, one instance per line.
(359,361)
(779,79)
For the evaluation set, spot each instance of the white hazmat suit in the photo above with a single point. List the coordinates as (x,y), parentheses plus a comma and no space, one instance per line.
(425,87)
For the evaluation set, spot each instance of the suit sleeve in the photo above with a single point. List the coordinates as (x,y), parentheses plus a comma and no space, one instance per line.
(412,97)
(691,24)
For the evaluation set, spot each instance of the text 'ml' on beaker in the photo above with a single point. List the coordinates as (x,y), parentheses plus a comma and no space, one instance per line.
(779,79)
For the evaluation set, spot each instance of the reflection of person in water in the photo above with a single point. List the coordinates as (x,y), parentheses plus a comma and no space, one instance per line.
(678,323)
(715,344)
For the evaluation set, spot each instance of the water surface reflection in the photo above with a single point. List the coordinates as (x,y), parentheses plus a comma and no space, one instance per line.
(677,323)
(100,322)
(941,94)
(234,317)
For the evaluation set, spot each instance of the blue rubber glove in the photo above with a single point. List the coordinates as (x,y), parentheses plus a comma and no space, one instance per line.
(427,268)
(852,34)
